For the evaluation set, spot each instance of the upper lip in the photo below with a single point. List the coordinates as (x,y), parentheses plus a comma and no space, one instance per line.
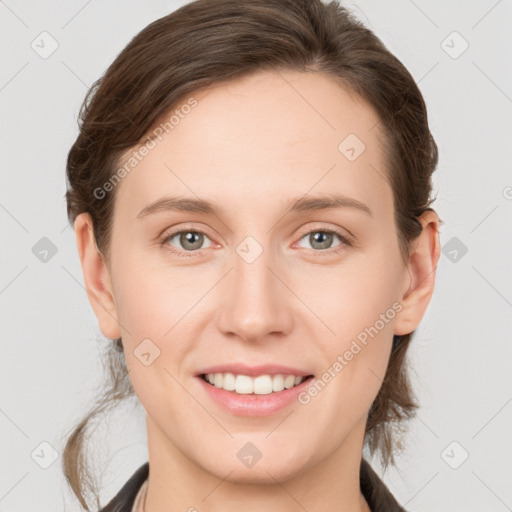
(254,371)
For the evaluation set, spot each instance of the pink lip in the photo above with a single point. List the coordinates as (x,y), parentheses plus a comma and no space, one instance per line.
(253,371)
(252,405)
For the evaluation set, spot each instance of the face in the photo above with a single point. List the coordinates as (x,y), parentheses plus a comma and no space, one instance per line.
(257,286)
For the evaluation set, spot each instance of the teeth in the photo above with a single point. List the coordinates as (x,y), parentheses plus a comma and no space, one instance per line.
(245,385)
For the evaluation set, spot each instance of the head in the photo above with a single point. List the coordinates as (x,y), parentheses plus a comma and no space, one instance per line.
(256,107)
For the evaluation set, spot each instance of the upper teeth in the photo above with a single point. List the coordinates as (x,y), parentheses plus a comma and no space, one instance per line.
(261,385)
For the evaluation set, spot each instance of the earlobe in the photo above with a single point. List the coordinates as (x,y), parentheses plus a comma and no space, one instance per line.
(96,277)
(421,273)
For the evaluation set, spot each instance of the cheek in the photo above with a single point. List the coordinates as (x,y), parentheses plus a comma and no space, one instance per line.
(355,366)
(360,305)
(153,316)
(359,297)
(155,307)
(150,300)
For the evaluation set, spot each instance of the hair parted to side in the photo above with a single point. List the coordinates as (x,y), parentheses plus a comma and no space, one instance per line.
(210,41)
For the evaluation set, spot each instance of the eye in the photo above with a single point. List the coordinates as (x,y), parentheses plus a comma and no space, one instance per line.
(322,239)
(190,241)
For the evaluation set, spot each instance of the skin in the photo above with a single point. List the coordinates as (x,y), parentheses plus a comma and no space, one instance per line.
(248,147)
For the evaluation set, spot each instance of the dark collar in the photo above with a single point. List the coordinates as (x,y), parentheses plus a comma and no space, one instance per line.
(374,490)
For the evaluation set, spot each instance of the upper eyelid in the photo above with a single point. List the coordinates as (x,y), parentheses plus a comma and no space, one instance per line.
(337,231)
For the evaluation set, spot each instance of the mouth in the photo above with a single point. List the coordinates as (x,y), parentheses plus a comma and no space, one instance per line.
(266,384)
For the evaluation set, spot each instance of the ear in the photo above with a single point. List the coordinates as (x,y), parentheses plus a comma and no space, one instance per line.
(96,277)
(421,273)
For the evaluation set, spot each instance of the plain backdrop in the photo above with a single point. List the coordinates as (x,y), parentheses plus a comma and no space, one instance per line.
(459,448)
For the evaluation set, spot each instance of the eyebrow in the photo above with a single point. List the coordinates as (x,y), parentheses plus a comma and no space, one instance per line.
(300,204)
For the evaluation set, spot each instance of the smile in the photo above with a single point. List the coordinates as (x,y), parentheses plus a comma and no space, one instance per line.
(259,385)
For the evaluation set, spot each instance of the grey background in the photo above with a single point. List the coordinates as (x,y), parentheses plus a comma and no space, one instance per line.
(461,355)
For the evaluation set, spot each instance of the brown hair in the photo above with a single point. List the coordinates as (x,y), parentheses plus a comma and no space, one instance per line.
(210,41)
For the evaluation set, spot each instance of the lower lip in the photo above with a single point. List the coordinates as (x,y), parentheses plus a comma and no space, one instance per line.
(253,405)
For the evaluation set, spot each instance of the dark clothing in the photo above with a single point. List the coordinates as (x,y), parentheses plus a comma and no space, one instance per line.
(374,490)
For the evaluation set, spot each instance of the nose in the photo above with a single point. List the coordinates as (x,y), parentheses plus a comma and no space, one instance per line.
(257,302)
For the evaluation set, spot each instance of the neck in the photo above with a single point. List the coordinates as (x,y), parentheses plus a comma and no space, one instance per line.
(176,482)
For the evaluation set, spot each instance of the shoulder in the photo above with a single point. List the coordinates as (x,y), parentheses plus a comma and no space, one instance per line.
(375,491)
(124,499)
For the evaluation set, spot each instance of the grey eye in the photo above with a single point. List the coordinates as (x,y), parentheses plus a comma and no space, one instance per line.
(320,239)
(188,239)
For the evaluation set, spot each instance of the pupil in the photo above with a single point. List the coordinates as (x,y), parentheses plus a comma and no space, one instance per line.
(189,238)
(317,237)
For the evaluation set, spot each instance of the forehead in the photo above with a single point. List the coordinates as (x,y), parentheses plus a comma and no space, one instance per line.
(267,135)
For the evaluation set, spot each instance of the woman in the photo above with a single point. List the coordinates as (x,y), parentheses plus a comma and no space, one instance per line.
(250,191)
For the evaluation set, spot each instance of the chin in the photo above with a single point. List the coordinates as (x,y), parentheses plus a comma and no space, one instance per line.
(276,465)
(260,474)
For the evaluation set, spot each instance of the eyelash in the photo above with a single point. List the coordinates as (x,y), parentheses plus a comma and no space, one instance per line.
(345,242)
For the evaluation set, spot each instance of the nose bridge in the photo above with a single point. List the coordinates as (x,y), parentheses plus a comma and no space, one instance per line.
(255,306)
